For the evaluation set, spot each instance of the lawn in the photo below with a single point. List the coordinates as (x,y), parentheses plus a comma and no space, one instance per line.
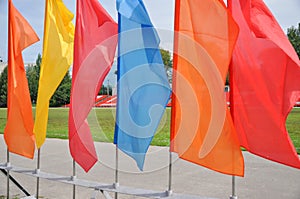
(293,126)
(101,122)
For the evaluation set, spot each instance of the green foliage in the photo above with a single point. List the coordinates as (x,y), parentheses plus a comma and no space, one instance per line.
(166,57)
(33,75)
(3,88)
(293,34)
(62,94)
(103,90)
(168,62)
(227,79)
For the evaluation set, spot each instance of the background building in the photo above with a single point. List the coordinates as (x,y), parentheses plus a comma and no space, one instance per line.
(2,65)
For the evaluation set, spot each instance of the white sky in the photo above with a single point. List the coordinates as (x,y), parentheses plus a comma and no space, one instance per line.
(161,12)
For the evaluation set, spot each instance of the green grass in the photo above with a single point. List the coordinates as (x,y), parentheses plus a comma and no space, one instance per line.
(2,119)
(293,126)
(13,197)
(101,121)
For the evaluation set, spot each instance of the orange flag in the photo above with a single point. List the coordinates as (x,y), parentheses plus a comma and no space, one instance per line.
(18,133)
(202,131)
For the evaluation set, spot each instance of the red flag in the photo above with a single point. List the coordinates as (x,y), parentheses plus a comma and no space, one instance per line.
(202,130)
(18,133)
(94,50)
(265,83)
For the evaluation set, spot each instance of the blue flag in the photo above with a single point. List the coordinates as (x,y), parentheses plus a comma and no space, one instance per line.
(143,88)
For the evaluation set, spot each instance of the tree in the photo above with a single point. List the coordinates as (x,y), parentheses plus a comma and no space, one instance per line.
(62,94)
(293,34)
(33,75)
(168,62)
(3,88)
(166,57)
(59,98)
(103,90)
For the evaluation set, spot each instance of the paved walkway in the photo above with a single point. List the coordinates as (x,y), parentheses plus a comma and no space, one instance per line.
(263,179)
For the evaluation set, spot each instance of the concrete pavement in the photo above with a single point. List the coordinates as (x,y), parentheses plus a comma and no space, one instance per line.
(263,179)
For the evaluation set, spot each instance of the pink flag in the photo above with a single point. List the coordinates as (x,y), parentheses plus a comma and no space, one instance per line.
(265,83)
(94,50)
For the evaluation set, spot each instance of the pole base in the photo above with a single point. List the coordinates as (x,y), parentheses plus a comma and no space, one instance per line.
(169,192)
(233,197)
(116,185)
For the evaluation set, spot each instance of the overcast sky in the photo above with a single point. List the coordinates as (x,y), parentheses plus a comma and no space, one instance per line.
(161,12)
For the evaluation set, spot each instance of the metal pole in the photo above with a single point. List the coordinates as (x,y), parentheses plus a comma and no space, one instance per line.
(116,184)
(73,178)
(169,192)
(37,172)
(233,196)
(108,87)
(231,101)
(15,182)
(7,165)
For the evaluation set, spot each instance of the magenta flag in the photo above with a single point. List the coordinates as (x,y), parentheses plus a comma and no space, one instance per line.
(94,50)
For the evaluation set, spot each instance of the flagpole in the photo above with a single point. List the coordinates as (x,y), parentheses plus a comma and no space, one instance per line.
(39,151)
(37,172)
(7,167)
(38,160)
(116,184)
(175,58)
(233,185)
(73,178)
(233,196)
(7,152)
(169,192)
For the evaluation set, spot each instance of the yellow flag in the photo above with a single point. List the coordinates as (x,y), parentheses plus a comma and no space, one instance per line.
(56,60)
